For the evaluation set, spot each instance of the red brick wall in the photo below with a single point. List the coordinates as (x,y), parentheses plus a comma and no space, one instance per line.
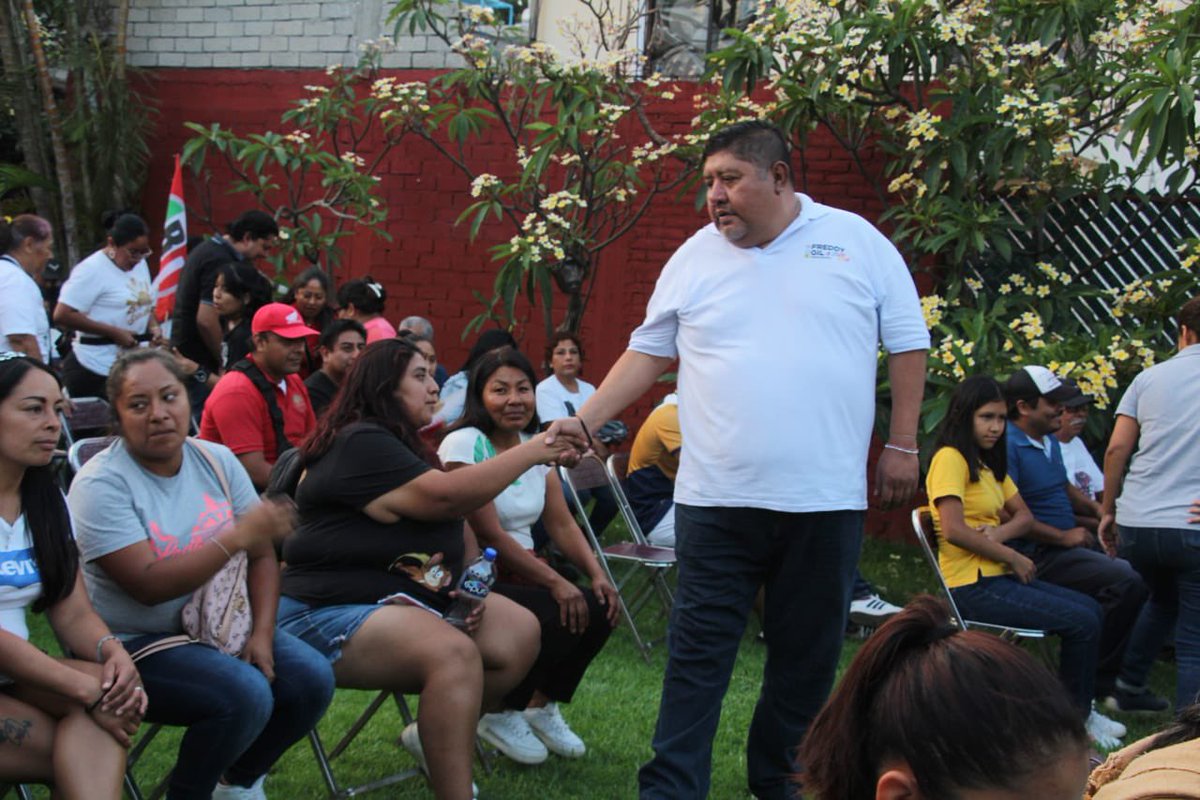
(430,268)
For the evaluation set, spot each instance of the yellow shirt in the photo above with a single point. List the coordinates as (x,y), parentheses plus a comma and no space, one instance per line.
(658,442)
(982,500)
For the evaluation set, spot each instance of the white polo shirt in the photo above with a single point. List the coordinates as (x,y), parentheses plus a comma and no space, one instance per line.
(22,311)
(778,349)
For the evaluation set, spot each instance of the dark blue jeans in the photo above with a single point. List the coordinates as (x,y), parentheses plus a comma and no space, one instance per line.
(237,723)
(1072,616)
(806,564)
(1168,559)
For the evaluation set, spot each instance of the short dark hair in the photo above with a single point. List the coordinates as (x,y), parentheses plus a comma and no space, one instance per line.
(1189,315)
(22,227)
(366,295)
(756,141)
(963,709)
(313,273)
(123,227)
(475,414)
(368,394)
(43,505)
(491,339)
(255,224)
(958,427)
(562,336)
(331,332)
(241,278)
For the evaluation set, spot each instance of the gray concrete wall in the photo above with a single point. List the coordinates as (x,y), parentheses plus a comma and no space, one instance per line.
(257,34)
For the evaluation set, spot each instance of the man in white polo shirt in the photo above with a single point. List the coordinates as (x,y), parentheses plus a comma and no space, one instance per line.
(783,300)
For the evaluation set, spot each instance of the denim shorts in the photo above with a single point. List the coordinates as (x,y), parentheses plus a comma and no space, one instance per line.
(324,628)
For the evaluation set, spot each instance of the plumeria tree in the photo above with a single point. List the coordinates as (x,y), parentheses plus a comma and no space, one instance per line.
(318,174)
(976,121)
(586,162)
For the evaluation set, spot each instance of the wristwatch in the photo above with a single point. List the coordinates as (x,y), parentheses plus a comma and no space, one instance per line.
(200,375)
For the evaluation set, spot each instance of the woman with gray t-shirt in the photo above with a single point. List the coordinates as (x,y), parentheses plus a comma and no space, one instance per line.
(157,515)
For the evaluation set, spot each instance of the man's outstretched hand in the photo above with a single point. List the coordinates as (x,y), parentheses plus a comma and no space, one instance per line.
(570,430)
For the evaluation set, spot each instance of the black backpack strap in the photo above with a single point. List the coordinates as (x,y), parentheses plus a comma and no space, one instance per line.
(251,371)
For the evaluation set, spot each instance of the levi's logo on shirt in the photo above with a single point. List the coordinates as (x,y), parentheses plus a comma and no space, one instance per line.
(18,568)
(826,251)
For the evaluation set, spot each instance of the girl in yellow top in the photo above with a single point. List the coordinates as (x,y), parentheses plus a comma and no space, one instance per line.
(968,489)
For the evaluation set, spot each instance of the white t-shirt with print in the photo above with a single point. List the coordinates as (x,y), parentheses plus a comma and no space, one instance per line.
(552,399)
(20,579)
(109,295)
(1082,470)
(778,351)
(520,505)
(22,311)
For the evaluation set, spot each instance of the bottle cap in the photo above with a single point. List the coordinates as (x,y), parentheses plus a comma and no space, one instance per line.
(489,554)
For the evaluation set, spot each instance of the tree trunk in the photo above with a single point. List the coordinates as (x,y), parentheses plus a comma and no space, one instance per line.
(28,135)
(121,23)
(62,166)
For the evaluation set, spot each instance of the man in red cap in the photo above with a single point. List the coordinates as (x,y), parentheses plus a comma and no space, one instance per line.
(260,408)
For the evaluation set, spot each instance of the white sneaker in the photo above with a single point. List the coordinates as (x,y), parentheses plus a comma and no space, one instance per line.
(228,791)
(1100,733)
(872,611)
(511,734)
(1111,725)
(410,737)
(549,726)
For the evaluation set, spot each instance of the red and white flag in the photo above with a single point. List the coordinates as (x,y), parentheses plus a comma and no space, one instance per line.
(174,249)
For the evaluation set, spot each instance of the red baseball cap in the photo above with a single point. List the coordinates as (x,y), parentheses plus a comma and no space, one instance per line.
(281,320)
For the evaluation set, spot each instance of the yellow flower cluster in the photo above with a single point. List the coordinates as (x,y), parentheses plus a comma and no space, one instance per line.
(562,200)
(956,354)
(908,181)
(934,308)
(921,126)
(1024,111)
(1142,291)
(1029,325)
(1190,255)
(354,159)
(482,183)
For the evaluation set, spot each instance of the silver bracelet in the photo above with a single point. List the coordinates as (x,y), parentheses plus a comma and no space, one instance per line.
(899,449)
(108,637)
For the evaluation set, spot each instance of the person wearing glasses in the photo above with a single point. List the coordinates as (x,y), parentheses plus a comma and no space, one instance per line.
(108,302)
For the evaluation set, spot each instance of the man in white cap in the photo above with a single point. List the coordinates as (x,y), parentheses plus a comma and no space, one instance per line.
(1064,551)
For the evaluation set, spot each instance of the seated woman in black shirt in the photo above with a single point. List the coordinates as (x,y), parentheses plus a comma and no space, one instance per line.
(379,548)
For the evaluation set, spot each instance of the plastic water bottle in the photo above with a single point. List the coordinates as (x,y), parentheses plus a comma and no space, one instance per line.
(473,587)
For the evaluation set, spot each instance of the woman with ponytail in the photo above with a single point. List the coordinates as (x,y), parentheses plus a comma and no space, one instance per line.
(66,722)
(107,301)
(929,712)
(362,300)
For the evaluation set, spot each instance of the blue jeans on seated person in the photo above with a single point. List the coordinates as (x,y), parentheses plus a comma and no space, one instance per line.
(1168,559)
(238,724)
(1072,616)
(805,562)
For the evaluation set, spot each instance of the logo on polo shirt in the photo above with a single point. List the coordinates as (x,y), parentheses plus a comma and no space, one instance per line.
(297,401)
(827,251)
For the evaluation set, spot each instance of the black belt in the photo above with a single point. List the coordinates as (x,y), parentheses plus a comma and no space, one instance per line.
(141,337)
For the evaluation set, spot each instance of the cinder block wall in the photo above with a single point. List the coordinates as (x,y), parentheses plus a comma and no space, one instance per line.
(256,34)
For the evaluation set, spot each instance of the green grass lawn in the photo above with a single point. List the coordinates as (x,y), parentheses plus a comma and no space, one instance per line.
(614,711)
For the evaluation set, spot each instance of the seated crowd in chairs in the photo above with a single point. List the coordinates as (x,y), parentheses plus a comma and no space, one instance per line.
(380,515)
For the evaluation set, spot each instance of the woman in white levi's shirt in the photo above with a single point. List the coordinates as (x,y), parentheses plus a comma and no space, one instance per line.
(66,722)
